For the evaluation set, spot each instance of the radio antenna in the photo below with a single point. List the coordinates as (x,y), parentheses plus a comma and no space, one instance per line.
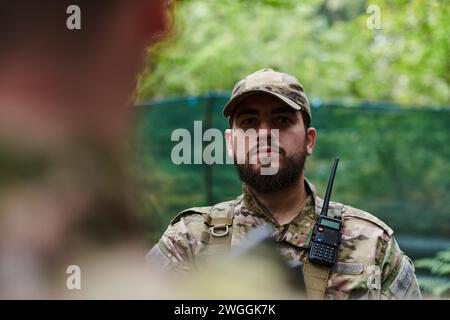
(326,200)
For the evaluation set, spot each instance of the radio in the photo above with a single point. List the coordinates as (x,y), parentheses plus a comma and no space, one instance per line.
(327,233)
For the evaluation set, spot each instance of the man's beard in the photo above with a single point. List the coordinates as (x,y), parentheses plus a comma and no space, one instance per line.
(287,175)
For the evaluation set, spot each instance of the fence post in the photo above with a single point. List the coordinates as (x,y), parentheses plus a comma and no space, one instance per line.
(209,196)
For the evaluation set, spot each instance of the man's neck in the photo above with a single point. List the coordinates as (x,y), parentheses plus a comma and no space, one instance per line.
(285,204)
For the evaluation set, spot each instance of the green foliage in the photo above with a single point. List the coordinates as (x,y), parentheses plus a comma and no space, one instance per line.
(438,282)
(439,265)
(325,43)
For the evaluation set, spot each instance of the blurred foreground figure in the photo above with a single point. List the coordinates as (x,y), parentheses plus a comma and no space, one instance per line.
(67,229)
(63,131)
(368,263)
(254,269)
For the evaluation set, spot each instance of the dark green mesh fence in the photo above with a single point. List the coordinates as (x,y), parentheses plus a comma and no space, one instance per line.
(394,164)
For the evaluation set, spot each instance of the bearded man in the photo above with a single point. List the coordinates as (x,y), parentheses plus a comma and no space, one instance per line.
(273,106)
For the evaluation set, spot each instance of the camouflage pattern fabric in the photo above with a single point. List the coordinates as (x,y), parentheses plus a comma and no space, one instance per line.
(370,264)
(267,81)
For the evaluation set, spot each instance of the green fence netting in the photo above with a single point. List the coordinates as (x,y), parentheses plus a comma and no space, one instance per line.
(394,163)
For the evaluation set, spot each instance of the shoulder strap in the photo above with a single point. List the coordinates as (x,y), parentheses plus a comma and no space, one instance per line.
(219,227)
(316,280)
(196,210)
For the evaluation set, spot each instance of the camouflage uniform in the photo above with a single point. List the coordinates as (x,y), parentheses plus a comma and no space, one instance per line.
(370,264)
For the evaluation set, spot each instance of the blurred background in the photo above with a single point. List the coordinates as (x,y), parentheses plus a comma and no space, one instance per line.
(380,101)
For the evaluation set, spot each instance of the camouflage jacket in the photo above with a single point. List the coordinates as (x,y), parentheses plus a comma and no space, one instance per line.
(370,264)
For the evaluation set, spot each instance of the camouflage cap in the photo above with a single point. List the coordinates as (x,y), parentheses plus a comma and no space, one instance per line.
(280,85)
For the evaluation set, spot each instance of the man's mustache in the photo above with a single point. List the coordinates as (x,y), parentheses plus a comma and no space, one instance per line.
(273,148)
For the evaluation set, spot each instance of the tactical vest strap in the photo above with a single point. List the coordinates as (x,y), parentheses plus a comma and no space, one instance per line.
(316,280)
(215,221)
(219,228)
(316,275)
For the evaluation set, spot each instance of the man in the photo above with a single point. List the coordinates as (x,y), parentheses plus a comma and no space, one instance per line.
(64,123)
(370,264)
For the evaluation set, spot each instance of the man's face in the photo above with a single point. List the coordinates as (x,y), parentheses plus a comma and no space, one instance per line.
(286,148)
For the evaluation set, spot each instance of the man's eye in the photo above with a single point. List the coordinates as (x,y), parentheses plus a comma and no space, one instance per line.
(283,120)
(248,121)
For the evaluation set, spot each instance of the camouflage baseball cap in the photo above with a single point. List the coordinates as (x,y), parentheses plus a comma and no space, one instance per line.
(267,81)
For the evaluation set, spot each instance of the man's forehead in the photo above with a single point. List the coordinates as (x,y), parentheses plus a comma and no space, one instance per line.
(262,104)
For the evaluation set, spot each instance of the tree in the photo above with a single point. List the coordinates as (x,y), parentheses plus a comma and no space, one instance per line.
(325,43)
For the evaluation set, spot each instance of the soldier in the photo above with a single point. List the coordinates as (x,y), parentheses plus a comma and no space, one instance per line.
(370,264)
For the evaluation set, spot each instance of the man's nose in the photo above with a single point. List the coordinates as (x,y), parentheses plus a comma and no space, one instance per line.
(264,126)
(264,131)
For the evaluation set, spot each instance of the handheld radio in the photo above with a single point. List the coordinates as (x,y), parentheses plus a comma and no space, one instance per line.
(326,235)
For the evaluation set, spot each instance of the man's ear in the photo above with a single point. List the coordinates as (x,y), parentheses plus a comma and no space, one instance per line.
(310,140)
(229,142)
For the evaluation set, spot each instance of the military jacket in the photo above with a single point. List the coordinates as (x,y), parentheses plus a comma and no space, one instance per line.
(370,264)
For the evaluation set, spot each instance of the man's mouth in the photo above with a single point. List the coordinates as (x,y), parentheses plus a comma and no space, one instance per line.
(264,150)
